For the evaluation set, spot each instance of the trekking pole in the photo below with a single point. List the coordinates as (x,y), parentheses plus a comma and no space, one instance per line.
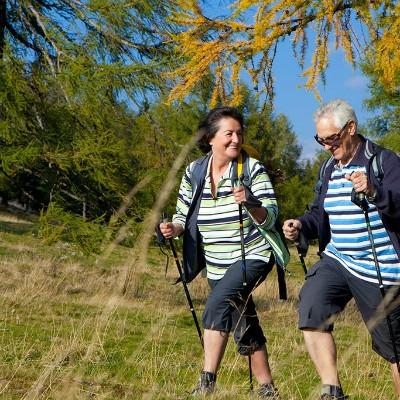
(241,230)
(301,256)
(360,200)
(242,245)
(300,250)
(185,288)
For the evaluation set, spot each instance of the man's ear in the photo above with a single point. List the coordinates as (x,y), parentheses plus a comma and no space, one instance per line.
(352,128)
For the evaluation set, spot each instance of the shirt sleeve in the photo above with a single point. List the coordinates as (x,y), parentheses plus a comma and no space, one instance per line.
(310,220)
(184,199)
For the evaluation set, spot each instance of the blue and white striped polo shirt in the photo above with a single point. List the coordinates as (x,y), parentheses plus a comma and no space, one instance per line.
(350,243)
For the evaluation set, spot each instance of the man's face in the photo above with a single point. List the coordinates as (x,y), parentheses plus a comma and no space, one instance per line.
(337,140)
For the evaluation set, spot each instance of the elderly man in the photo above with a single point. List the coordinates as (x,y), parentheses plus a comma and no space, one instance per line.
(359,185)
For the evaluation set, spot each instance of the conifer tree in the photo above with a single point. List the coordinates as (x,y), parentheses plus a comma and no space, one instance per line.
(69,72)
(385,126)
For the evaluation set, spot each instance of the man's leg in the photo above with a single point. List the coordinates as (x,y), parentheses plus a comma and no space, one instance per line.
(368,298)
(322,349)
(324,295)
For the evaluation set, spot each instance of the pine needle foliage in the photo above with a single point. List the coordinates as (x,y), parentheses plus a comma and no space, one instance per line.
(113,30)
(71,74)
(384,127)
(56,225)
(246,38)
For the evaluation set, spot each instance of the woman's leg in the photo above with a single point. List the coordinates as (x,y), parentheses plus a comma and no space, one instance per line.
(260,366)
(247,330)
(214,348)
(224,313)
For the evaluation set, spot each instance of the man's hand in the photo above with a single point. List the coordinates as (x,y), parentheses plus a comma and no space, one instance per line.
(291,229)
(360,183)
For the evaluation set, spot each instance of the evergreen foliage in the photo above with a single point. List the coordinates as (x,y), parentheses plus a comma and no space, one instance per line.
(57,225)
(385,127)
(84,114)
(71,73)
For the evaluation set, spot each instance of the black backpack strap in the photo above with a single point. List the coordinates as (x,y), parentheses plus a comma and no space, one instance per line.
(377,166)
(281,282)
(374,153)
(198,172)
(193,256)
(324,166)
(318,185)
(280,271)
(245,178)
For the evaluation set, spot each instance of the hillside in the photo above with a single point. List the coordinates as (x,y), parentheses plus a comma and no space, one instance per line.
(67,332)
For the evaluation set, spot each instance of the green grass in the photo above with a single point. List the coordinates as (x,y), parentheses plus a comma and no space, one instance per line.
(66,332)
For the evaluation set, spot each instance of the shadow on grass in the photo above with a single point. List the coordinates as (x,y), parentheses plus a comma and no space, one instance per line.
(17,228)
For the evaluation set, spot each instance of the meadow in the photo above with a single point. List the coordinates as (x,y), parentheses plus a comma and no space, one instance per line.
(68,331)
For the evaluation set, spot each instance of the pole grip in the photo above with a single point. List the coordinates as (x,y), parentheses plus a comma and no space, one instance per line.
(300,251)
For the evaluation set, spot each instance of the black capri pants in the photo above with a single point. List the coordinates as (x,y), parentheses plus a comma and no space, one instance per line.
(230,306)
(329,287)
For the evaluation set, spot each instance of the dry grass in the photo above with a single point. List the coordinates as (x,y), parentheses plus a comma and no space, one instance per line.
(66,331)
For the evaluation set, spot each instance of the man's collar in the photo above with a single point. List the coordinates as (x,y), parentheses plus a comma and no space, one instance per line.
(360,158)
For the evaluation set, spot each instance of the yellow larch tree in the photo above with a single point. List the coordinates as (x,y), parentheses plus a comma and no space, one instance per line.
(248,36)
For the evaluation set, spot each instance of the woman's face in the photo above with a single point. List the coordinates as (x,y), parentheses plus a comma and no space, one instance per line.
(227,142)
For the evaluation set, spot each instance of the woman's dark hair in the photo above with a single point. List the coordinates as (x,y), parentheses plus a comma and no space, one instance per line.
(210,125)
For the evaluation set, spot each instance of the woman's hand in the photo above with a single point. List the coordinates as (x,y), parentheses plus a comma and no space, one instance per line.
(239,194)
(253,205)
(170,230)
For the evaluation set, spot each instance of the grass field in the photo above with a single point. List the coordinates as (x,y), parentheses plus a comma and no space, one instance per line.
(67,332)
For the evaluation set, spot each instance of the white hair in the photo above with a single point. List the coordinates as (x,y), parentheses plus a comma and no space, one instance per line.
(339,110)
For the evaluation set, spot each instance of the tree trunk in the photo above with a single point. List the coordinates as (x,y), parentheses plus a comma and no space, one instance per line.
(3,20)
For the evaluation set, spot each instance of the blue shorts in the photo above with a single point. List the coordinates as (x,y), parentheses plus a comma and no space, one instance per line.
(229,308)
(329,287)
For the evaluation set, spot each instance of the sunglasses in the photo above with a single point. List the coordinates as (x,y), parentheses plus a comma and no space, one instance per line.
(333,139)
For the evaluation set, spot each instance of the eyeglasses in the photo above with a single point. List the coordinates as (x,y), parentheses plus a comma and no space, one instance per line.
(333,139)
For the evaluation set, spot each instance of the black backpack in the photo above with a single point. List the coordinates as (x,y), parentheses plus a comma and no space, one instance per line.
(374,155)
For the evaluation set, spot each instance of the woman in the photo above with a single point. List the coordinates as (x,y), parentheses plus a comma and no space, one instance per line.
(229,306)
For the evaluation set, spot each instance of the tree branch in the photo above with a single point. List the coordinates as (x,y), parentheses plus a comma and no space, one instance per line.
(21,39)
(3,22)
(42,32)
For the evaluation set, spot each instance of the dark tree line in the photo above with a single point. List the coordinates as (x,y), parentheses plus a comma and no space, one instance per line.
(84,118)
